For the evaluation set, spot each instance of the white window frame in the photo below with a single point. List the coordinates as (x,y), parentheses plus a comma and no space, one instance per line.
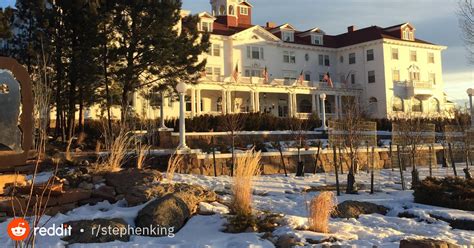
(288,36)
(317,39)
(397,73)
(369,76)
(412,52)
(244,10)
(372,54)
(253,72)
(289,57)
(431,58)
(253,50)
(208,26)
(214,48)
(395,52)
(352,56)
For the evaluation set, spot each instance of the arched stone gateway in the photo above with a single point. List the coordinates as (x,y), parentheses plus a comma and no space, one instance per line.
(16,114)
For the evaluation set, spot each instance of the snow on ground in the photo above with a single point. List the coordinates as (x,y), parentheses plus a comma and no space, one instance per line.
(289,195)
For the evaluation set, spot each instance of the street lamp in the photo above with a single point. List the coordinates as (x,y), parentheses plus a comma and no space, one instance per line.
(470,93)
(323,117)
(181,88)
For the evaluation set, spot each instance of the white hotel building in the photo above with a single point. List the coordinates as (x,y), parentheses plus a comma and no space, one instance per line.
(388,70)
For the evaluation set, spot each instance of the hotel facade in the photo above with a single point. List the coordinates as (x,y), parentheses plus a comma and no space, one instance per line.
(281,70)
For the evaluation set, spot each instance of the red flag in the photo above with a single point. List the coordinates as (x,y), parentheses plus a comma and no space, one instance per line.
(265,75)
(327,78)
(301,78)
(235,74)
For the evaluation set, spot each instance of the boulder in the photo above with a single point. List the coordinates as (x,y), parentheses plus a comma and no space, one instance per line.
(11,179)
(191,194)
(124,180)
(426,243)
(352,209)
(169,211)
(174,205)
(105,192)
(85,231)
(286,241)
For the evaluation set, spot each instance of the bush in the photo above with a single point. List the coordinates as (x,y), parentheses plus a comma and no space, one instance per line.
(450,192)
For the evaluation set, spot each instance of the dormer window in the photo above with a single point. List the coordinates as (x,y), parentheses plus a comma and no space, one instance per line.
(244,10)
(205,26)
(408,34)
(317,39)
(288,36)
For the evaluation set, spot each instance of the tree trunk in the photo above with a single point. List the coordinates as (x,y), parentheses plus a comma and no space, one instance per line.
(317,158)
(214,156)
(335,170)
(400,165)
(282,160)
(452,159)
(372,176)
(106,79)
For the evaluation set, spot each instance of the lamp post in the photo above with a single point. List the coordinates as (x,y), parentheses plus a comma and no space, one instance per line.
(181,89)
(323,117)
(470,93)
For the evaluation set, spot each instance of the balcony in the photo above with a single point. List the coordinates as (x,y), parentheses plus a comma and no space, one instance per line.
(420,89)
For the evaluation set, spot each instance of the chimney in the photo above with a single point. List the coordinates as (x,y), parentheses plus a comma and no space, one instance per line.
(271,25)
(351,29)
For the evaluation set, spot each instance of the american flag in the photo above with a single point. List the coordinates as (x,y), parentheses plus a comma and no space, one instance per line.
(235,74)
(327,78)
(265,75)
(301,78)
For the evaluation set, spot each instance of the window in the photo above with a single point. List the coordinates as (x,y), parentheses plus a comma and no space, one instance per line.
(431,58)
(306,57)
(326,60)
(417,105)
(289,57)
(370,55)
(432,78)
(231,10)
(287,36)
(415,76)
(397,104)
(317,40)
(321,77)
(188,103)
(253,73)
(341,59)
(305,106)
(307,76)
(434,105)
(353,78)
(216,50)
(352,58)
(217,71)
(289,76)
(394,53)
(209,71)
(410,35)
(373,105)
(206,26)
(255,52)
(396,75)
(405,34)
(371,75)
(413,56)
(244,11)
(321,59)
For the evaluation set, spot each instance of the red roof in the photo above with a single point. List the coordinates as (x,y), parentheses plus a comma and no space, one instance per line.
(333,41)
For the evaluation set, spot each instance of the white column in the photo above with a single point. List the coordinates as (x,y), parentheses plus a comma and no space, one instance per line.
(323,116)
(193,102)
(295,104)
(252,102)
(182,127)
(230,103)
(257,101)
(224,102)
(336,104)
(313,103)
(290,105)
(198,102)
(318,105)
(162,110)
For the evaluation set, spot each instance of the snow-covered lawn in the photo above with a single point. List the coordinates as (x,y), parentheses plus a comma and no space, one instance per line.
(289,196)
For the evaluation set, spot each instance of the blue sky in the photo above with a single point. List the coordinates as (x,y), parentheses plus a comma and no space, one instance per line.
(434,20)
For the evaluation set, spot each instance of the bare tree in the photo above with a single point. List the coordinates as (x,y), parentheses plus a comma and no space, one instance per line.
(232,124)
(466,23)
(412,134)
(352,132)
(298,131)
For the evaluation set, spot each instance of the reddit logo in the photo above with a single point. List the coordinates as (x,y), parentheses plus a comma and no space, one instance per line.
(18,229)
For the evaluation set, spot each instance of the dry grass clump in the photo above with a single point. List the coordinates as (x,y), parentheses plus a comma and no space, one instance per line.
(320,210)
(174,163)
(247,167)
(117,152)
(142,153)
